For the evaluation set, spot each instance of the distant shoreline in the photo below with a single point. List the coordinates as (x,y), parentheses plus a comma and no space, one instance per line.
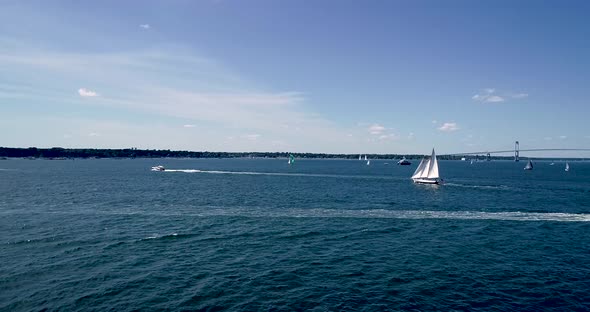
(58,153)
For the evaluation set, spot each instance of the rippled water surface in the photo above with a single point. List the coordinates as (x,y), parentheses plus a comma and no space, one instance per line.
(257,234)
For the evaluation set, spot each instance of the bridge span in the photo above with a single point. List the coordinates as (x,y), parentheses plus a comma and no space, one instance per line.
(516,151)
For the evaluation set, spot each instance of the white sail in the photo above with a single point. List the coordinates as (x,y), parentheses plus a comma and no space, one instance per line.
(424,172)
(419,170)
(360,157)
(433,171)
(368,162)
(567,166)
(529,166)
(365,157)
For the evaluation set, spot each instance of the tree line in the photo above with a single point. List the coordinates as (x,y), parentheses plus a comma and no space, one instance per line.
(58,152)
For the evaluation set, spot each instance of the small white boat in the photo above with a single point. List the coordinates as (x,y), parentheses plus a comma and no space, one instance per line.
(463,159)
(427,171)
(368,162)
(158,168)
(529,166)
(567,166)
(551,164)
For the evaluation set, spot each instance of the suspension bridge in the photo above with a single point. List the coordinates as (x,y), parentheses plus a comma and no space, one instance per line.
(516,151)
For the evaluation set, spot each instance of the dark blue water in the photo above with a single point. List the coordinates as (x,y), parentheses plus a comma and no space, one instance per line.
(257,234)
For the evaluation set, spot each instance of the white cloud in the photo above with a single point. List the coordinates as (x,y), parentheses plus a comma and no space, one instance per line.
(86,93)
(449,127)
(145,26)
(434,122)
(494,99)
(189,126)
(251,137)
(563,137)
(390,136)
(489,95)
(376,129)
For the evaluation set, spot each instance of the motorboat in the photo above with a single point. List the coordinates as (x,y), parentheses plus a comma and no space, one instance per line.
(158,168)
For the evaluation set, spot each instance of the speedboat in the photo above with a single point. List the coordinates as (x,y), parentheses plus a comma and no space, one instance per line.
(158,168)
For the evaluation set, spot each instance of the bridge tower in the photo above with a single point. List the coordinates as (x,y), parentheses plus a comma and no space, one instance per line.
(516,151)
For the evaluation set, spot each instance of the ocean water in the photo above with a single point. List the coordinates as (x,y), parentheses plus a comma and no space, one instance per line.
(259,235)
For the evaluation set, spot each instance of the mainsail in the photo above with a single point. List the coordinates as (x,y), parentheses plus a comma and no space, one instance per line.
(433,171)
(291,159)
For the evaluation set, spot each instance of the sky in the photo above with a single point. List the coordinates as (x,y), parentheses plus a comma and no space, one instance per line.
(329,76)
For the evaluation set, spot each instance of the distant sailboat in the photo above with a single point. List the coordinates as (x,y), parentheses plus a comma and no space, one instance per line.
(529,166)
(360,157)
(291,159)
(567,166)
(365,157)
(427,171)
(368,162)
(472,161)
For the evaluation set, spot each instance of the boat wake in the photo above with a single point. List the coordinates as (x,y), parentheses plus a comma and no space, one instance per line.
(490,187)
(283,174)
(408,214)
(265,212)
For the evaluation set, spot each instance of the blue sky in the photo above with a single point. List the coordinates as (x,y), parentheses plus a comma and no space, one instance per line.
(304,76)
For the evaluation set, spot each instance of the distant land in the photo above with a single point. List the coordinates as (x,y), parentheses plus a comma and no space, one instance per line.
(70,153)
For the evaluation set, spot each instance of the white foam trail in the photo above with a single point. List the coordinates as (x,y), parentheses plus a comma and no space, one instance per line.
(279,174)
(491,187)
(258,212)
(403,214)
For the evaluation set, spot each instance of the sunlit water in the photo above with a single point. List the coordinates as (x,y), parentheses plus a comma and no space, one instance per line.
(258,234)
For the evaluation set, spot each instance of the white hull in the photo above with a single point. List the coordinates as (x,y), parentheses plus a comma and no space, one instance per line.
(426,181)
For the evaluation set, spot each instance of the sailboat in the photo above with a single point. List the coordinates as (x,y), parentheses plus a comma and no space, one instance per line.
(365,157)
(427,171)
(291,159)
(368,162)
(567,166)
(360,157)
(529,165)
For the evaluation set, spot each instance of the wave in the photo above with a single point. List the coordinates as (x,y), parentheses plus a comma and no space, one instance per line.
(156,236)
